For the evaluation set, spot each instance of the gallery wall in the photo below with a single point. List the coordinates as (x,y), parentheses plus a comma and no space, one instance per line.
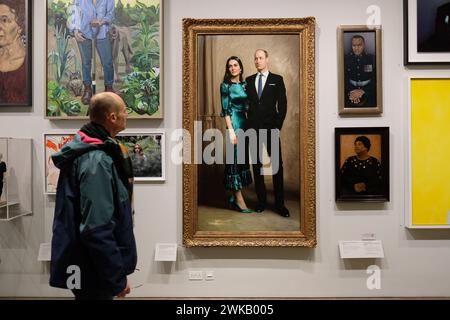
(416,262)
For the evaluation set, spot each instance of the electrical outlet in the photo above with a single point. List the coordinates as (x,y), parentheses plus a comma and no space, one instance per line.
(195,275)
(209,275)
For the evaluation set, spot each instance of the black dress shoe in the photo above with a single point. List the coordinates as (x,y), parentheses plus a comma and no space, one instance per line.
(283,211)
(260,208)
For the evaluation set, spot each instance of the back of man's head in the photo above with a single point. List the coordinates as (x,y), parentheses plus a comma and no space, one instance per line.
(101,105)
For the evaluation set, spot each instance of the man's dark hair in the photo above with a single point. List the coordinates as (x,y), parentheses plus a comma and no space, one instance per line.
(227,76)
(365,141)
(100,106)
(358,36)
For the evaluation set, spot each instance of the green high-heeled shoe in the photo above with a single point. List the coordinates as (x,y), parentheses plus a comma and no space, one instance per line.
(235,205)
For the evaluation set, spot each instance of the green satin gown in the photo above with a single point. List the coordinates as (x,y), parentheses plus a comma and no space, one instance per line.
(235,104)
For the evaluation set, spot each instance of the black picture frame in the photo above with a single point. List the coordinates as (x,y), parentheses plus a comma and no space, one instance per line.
(378,190)
(411,54)
(24,9)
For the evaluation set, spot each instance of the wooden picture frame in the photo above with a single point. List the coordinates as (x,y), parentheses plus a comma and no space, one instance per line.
(206,44)
(427,149)
(131,42)
(16,79)
(425,36)
(363,177)
(360,72)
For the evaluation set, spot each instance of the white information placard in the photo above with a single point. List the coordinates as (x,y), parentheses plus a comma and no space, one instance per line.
(361,249)
(166,252)
(45,252)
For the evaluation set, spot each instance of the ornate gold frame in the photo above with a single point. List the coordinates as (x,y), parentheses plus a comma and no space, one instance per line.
(305,29)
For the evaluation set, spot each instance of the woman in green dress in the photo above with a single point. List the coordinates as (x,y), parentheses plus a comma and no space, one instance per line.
(234,110)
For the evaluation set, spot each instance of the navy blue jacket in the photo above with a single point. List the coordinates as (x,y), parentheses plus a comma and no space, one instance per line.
(93,225)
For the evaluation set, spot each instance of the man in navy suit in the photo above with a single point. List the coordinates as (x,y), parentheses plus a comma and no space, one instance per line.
(267,110)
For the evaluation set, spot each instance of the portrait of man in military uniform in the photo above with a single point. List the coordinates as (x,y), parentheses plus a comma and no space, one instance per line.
(360,72)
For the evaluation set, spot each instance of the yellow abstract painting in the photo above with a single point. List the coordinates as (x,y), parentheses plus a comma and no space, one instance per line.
(430,151)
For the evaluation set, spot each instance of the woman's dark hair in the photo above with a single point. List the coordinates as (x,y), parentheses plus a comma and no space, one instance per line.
(227,77)
(364,140)
(18,9)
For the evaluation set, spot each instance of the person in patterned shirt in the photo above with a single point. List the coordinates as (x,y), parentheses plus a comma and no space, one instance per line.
(361,174)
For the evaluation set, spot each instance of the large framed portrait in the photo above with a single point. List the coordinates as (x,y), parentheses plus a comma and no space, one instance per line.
(147,153)
(362,164)
(428,151)
(360,78)
(115,46)
(15,53)
(53,143)
(248,176)
(426,32)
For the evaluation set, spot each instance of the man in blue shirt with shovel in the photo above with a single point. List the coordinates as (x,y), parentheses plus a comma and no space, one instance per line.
(90,20)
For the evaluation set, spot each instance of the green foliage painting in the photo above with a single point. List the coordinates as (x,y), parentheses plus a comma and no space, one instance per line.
(128,49)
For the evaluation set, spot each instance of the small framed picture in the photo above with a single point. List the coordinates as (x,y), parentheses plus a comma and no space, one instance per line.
(147,154)
(359,61)
(53,143)
(362,164)
(426,32)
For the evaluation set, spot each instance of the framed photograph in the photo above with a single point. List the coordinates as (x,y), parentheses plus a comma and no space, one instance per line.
(224,202)
(126,36)
(15,53)
(362,164)
(428,150)
(426,35)
(360,78)
(147,153)
(53,143)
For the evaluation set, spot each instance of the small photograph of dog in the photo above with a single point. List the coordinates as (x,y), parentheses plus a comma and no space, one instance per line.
(120,43)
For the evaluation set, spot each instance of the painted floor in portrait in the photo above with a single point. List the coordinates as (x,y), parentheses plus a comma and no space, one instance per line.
(225,219)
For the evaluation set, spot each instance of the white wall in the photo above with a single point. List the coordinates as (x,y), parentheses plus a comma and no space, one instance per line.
(416,263)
